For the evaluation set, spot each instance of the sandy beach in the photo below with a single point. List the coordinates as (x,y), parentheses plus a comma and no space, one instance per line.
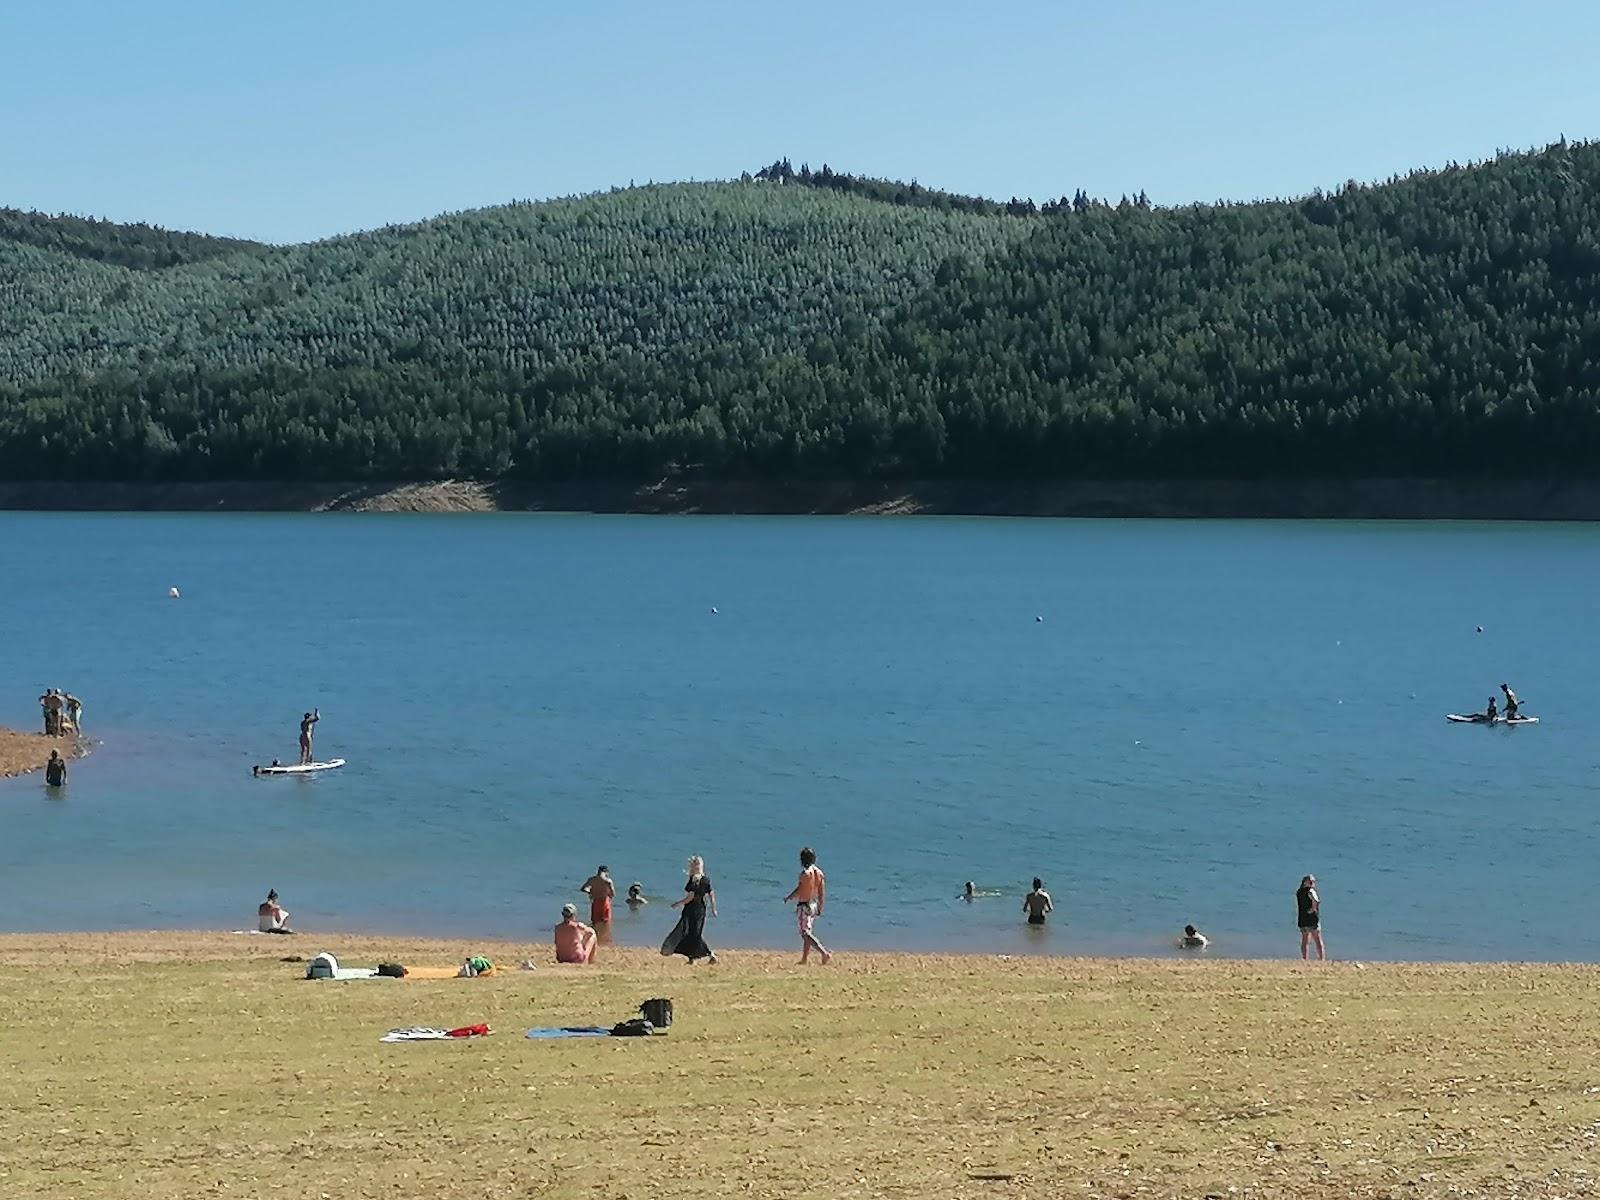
(146,1065)
(21,753)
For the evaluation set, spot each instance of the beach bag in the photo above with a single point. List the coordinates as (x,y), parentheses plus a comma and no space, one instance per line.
(638,1027)
(391,970)
(657,1012)
(322,966)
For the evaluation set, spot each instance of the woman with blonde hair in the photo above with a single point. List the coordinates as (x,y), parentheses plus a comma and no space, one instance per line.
(688,936)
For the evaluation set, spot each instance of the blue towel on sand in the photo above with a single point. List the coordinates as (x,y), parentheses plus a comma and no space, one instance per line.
(569,1031)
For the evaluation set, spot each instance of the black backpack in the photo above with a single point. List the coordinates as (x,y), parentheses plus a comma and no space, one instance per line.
(638,1027)
(392,970)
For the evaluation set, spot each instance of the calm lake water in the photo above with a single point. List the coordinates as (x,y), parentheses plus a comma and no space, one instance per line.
(1205,712)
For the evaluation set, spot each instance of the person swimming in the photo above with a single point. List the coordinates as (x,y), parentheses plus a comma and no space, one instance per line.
(636,898)
(969,892)
(1193,939)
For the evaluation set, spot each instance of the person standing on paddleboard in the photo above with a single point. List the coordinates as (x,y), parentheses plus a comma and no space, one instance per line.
(306,722)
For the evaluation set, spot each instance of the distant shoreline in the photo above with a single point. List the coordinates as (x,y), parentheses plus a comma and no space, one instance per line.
(1363,499)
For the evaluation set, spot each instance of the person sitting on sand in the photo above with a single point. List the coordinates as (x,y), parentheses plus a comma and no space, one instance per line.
(575,941)
(1037,903)
(55,771)
(272,917)
(1193,939)
(636,898)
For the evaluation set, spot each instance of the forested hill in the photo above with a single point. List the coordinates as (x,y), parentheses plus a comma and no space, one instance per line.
(806,324)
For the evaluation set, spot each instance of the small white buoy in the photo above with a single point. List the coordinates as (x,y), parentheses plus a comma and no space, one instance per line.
(173,592)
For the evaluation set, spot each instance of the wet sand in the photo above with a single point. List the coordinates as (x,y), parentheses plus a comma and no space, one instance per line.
(157,1064)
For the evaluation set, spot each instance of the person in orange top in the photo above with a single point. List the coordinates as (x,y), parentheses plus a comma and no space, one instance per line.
(809,895)
(574,940)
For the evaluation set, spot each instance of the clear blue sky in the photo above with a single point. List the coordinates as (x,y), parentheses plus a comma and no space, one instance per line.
(290,119)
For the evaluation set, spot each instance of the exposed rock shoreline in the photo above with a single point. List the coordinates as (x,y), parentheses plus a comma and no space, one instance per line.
(1376,499)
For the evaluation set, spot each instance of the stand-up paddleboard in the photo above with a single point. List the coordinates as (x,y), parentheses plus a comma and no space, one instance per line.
(1480,719)
(298,768)
(1520,721)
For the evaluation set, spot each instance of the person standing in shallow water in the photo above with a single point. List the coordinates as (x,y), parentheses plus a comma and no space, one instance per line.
(688,935)
(601,892)
(1308,906)
(809,895)
(1037,903)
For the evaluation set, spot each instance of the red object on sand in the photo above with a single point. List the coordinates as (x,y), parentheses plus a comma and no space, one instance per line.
(469,1031)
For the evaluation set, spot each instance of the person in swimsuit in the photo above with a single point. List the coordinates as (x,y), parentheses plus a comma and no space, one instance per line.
(306,722)
(969,893)
(809,895)
(1193,939)
(575,941)
(272,917)
(636,898)
(1492,714)
(1511,702)
(1308,906)
(1037,903)
(74,712)
(55,771)
(601,891)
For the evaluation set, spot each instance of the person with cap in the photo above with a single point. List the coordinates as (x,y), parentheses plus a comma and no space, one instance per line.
(575,941)
(1511,701)
(601,892)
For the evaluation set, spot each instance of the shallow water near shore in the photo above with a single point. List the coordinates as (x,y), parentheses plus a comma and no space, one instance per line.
(1205,712)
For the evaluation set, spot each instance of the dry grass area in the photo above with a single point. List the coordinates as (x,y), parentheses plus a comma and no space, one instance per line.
(191,1065)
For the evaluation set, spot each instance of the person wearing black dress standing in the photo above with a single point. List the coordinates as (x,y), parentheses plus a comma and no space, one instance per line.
(688,936)
(1308,906)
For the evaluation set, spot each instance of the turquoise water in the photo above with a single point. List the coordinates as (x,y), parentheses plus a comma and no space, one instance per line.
(1205,712)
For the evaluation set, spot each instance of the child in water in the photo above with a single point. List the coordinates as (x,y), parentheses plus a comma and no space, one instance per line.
(1193,939)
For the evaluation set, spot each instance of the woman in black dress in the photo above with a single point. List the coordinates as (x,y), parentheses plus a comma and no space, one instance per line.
(688,936)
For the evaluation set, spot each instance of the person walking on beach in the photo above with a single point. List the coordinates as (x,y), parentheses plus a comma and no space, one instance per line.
(575,941)
(809,895)
(306,722)
(688,935)
(272,917)
(1037,903)
(601,892)
(1308,906)
(55,771)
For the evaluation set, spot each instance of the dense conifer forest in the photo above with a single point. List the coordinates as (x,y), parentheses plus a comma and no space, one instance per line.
(810,324)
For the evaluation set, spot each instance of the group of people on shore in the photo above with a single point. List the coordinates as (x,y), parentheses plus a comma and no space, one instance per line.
(63,712)
(576,942)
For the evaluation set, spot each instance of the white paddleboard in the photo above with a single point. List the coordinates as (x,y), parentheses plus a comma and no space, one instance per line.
(300,768)
(1472,719)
